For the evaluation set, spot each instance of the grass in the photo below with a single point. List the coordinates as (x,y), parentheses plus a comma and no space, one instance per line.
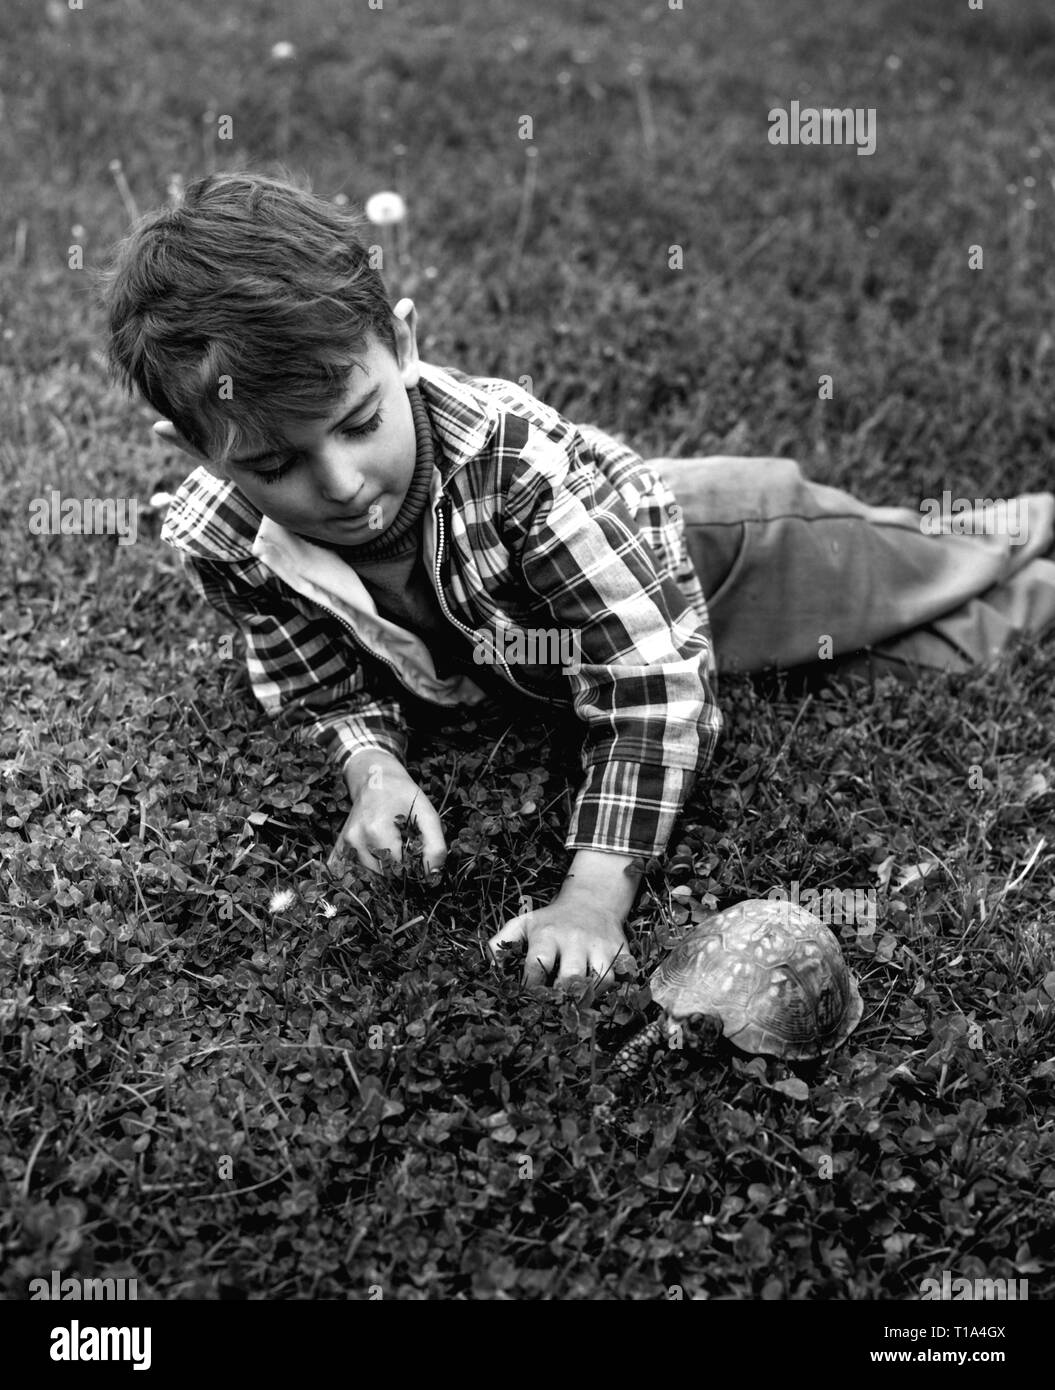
(343,1096)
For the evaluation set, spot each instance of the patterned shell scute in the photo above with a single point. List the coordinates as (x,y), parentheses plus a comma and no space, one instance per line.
(771,971)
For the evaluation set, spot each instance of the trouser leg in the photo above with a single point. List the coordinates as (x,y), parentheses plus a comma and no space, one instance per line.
(795,571)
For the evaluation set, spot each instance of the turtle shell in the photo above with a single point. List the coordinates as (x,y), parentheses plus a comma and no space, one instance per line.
(771,971)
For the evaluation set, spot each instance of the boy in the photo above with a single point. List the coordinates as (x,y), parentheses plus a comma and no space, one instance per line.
(375,525)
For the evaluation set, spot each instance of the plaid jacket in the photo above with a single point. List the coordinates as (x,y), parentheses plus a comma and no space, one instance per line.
(533,523)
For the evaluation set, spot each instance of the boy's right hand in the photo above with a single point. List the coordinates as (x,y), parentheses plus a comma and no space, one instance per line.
(381,789)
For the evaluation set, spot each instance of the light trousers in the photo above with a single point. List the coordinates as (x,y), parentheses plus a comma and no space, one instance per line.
(795,572)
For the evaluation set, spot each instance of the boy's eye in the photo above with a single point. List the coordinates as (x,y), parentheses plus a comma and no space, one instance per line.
(276,473)
(367,427)
(352,431)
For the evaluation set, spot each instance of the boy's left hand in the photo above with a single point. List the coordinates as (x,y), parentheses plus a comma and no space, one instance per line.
(574,935)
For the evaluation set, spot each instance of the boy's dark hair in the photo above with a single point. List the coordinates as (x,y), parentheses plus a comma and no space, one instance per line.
(242,306)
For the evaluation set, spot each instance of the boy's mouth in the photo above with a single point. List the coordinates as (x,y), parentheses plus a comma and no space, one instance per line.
(364,513)
(353,518)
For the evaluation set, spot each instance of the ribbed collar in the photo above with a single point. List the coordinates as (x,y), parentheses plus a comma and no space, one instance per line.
(402,537)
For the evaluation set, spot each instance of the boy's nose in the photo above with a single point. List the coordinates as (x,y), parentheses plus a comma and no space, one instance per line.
(337,480)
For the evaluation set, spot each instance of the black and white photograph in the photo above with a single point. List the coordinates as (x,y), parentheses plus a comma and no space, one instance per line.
(527,728)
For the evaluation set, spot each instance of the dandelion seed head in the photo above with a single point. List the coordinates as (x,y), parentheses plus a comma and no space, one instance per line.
(385,208)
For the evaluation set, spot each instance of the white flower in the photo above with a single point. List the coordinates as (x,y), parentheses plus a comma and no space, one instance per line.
(281,900)
(282,52)
(328,909)
(385,208)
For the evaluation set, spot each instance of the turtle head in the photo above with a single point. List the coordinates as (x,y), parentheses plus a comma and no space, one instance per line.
(699,1031)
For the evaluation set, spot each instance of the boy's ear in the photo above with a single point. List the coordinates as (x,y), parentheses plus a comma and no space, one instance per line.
(167,431)
(406,310)
(407,338)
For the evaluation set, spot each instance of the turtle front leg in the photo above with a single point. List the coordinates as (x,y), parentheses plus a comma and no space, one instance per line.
(632,1057)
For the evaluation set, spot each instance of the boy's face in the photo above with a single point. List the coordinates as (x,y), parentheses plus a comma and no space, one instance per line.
(342,479)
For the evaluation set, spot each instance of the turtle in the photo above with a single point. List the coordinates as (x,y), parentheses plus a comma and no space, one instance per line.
(766,972)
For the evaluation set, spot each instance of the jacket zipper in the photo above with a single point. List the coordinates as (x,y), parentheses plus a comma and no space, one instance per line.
(440,537)
(360,643)
(447,614)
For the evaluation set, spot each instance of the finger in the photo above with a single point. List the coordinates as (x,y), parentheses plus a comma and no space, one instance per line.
(430,827)
(573,967)
(350,844)
(383,842)
(602,975)
(375,854)
(539,965)
(389,858)
(513,932)
(624,963)
(343,849)
(573,984)
(611,969)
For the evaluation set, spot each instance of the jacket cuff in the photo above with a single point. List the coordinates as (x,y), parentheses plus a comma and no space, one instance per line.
(344,738)
(629,808)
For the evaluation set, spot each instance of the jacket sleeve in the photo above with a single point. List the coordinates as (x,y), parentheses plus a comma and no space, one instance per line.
(645,685)
(302,669)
